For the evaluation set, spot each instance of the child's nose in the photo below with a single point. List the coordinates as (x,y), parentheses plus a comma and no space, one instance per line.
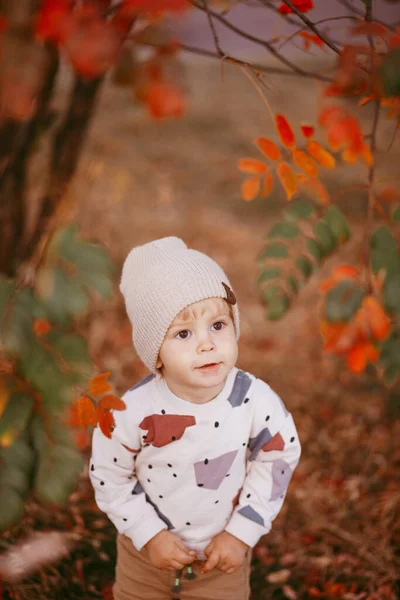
(205,344)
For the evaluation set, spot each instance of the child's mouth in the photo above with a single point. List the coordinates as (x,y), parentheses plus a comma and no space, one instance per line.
(209,367)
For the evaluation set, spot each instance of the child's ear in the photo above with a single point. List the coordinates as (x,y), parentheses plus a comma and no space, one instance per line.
(158,363)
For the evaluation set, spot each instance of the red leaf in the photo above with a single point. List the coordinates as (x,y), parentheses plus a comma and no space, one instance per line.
(98,385)
(109,401)
(310,38)
(165,100)
(268,147)
(106,421)
(307,130)
(301,5)
(54,19)
(285,131)
(134,7)
(41,327)
(87,412)
(370,29)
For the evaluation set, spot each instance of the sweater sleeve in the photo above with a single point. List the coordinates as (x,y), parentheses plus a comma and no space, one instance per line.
(118,493)
(275,451)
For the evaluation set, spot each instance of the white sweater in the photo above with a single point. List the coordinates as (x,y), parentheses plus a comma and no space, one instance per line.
(196,469)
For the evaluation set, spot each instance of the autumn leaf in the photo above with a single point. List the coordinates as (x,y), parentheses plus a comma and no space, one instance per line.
(135,7)
(304,162)
(314,188)
(72,419)
(87,412)
(106,421)
(373,29)
(322,156)
(288,179)
(110,401)
(311,38)
(377,317)
(285,131)
(250,188)
(338,274)
(41,327)
(301,5)
(360,355)
(98,385)
(164,100)
(251,165)
(367,156)
(54,20)
(307,130)
(268,147)
(268,182)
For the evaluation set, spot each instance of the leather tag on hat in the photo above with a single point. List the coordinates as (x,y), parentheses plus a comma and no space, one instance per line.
(230,296)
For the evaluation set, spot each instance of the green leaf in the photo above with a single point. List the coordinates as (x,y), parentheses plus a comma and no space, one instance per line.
(284,230)
(305,266)
(396,213)
(294,283)
(390,73)
(269,274)
(277,307)
(62,294)
(391,373)
(16,466)
(94,266)
(275,250)
(17,328)
(59,465)
(11,508)
(382,238)
(270,292)
(17,413)
(325,237)
(337,223)
(343,301)
(314,249)
(299,209)
(390,351)
(391,293)
(72,349)
(40,367)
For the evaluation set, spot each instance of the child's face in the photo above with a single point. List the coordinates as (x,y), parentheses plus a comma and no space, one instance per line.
(202,334)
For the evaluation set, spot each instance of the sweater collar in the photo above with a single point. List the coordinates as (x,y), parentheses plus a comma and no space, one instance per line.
(183,406)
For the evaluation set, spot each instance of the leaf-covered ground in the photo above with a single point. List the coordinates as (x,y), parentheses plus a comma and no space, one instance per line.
(338,534)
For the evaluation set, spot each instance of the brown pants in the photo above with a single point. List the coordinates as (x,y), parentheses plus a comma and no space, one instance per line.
(137,579)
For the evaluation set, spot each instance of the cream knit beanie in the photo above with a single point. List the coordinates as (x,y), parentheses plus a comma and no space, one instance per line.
(161,278)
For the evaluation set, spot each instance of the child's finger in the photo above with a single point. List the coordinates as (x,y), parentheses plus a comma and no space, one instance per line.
(184,548)
(184,557)
(211,563)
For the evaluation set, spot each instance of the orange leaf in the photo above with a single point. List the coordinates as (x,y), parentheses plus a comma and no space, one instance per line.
(288,179)
(41,327)
(302,160)
(307,130)
(267,184)
(251,165)
(111,401)
(389,195)
(377,317)
(106,421)
(322,156)
(363,101)
(87,412)
(370,29)
(360,355)
(314,188)
(268,147)
(250,188)
(349,156)
(98,385)
(367,156)
(165,100)
(330,115)
(345,132)
(285,131)
(345,272)
(311,38)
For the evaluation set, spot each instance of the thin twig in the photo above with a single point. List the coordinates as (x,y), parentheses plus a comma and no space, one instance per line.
(312,26)
(254,39)
(213,30)
(394,135)
(315,23)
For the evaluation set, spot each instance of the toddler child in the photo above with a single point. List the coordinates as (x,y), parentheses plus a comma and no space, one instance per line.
(199,462)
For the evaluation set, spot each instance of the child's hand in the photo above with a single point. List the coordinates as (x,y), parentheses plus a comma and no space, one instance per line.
(167,551)
(225,552)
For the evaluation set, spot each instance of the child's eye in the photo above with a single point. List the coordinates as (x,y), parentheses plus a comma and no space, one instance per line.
(183,335)
(218,325)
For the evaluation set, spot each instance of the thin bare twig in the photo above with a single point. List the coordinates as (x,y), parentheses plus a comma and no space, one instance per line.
(254,39)
(213,30)
(312,26)
(315,23)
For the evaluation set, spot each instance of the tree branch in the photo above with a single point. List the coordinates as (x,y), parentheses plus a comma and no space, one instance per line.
(254,39)
(213,30)
(312,26)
